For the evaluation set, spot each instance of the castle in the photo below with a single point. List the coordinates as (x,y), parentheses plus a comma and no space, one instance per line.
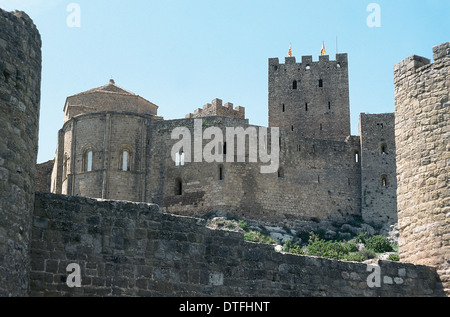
(142,230)
(113,145)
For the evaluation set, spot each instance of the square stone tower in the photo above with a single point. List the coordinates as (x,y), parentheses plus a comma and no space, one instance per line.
(310,98)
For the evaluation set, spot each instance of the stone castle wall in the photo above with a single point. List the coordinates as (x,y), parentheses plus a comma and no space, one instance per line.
(317,179)
(132,249)
(422,132)
(20,81)
(378,169)
(44,176)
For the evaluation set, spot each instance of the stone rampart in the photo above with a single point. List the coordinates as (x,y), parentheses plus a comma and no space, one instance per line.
(132,249)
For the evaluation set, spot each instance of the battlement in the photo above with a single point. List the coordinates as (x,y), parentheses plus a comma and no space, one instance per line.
(307,61)
(441,51)
(310,98)
(215,108)
(410,64)
(414,63)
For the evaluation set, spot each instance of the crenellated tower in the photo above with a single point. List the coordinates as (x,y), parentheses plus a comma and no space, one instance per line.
(310,98)
(422,130)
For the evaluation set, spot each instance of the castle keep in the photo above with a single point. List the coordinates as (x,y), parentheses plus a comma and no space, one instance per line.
(114,146)
(135,221)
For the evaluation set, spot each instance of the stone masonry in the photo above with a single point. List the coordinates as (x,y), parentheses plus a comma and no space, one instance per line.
(319,173)
(378,169)
(422,132)
(142,248)
(310,98)
(132,249)
(20,80)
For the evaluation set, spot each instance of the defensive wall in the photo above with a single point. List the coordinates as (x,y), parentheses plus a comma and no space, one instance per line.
(316,178)
(133,249)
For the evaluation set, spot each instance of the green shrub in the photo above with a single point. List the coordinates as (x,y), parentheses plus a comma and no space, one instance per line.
(368,254)
(355,257)
(327,249)
(393,257)
(243,225)
(349,247)
(378,244)
(291,247)
(313,236)
(256,236)
(361,238)
(361,255)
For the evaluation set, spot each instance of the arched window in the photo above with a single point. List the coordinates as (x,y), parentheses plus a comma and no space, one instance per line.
(383,148)
(320,83)
(125,160)
(356,157)
(88,160)
(178,187)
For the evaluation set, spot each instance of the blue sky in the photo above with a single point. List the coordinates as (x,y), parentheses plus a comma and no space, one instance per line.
(181,54)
